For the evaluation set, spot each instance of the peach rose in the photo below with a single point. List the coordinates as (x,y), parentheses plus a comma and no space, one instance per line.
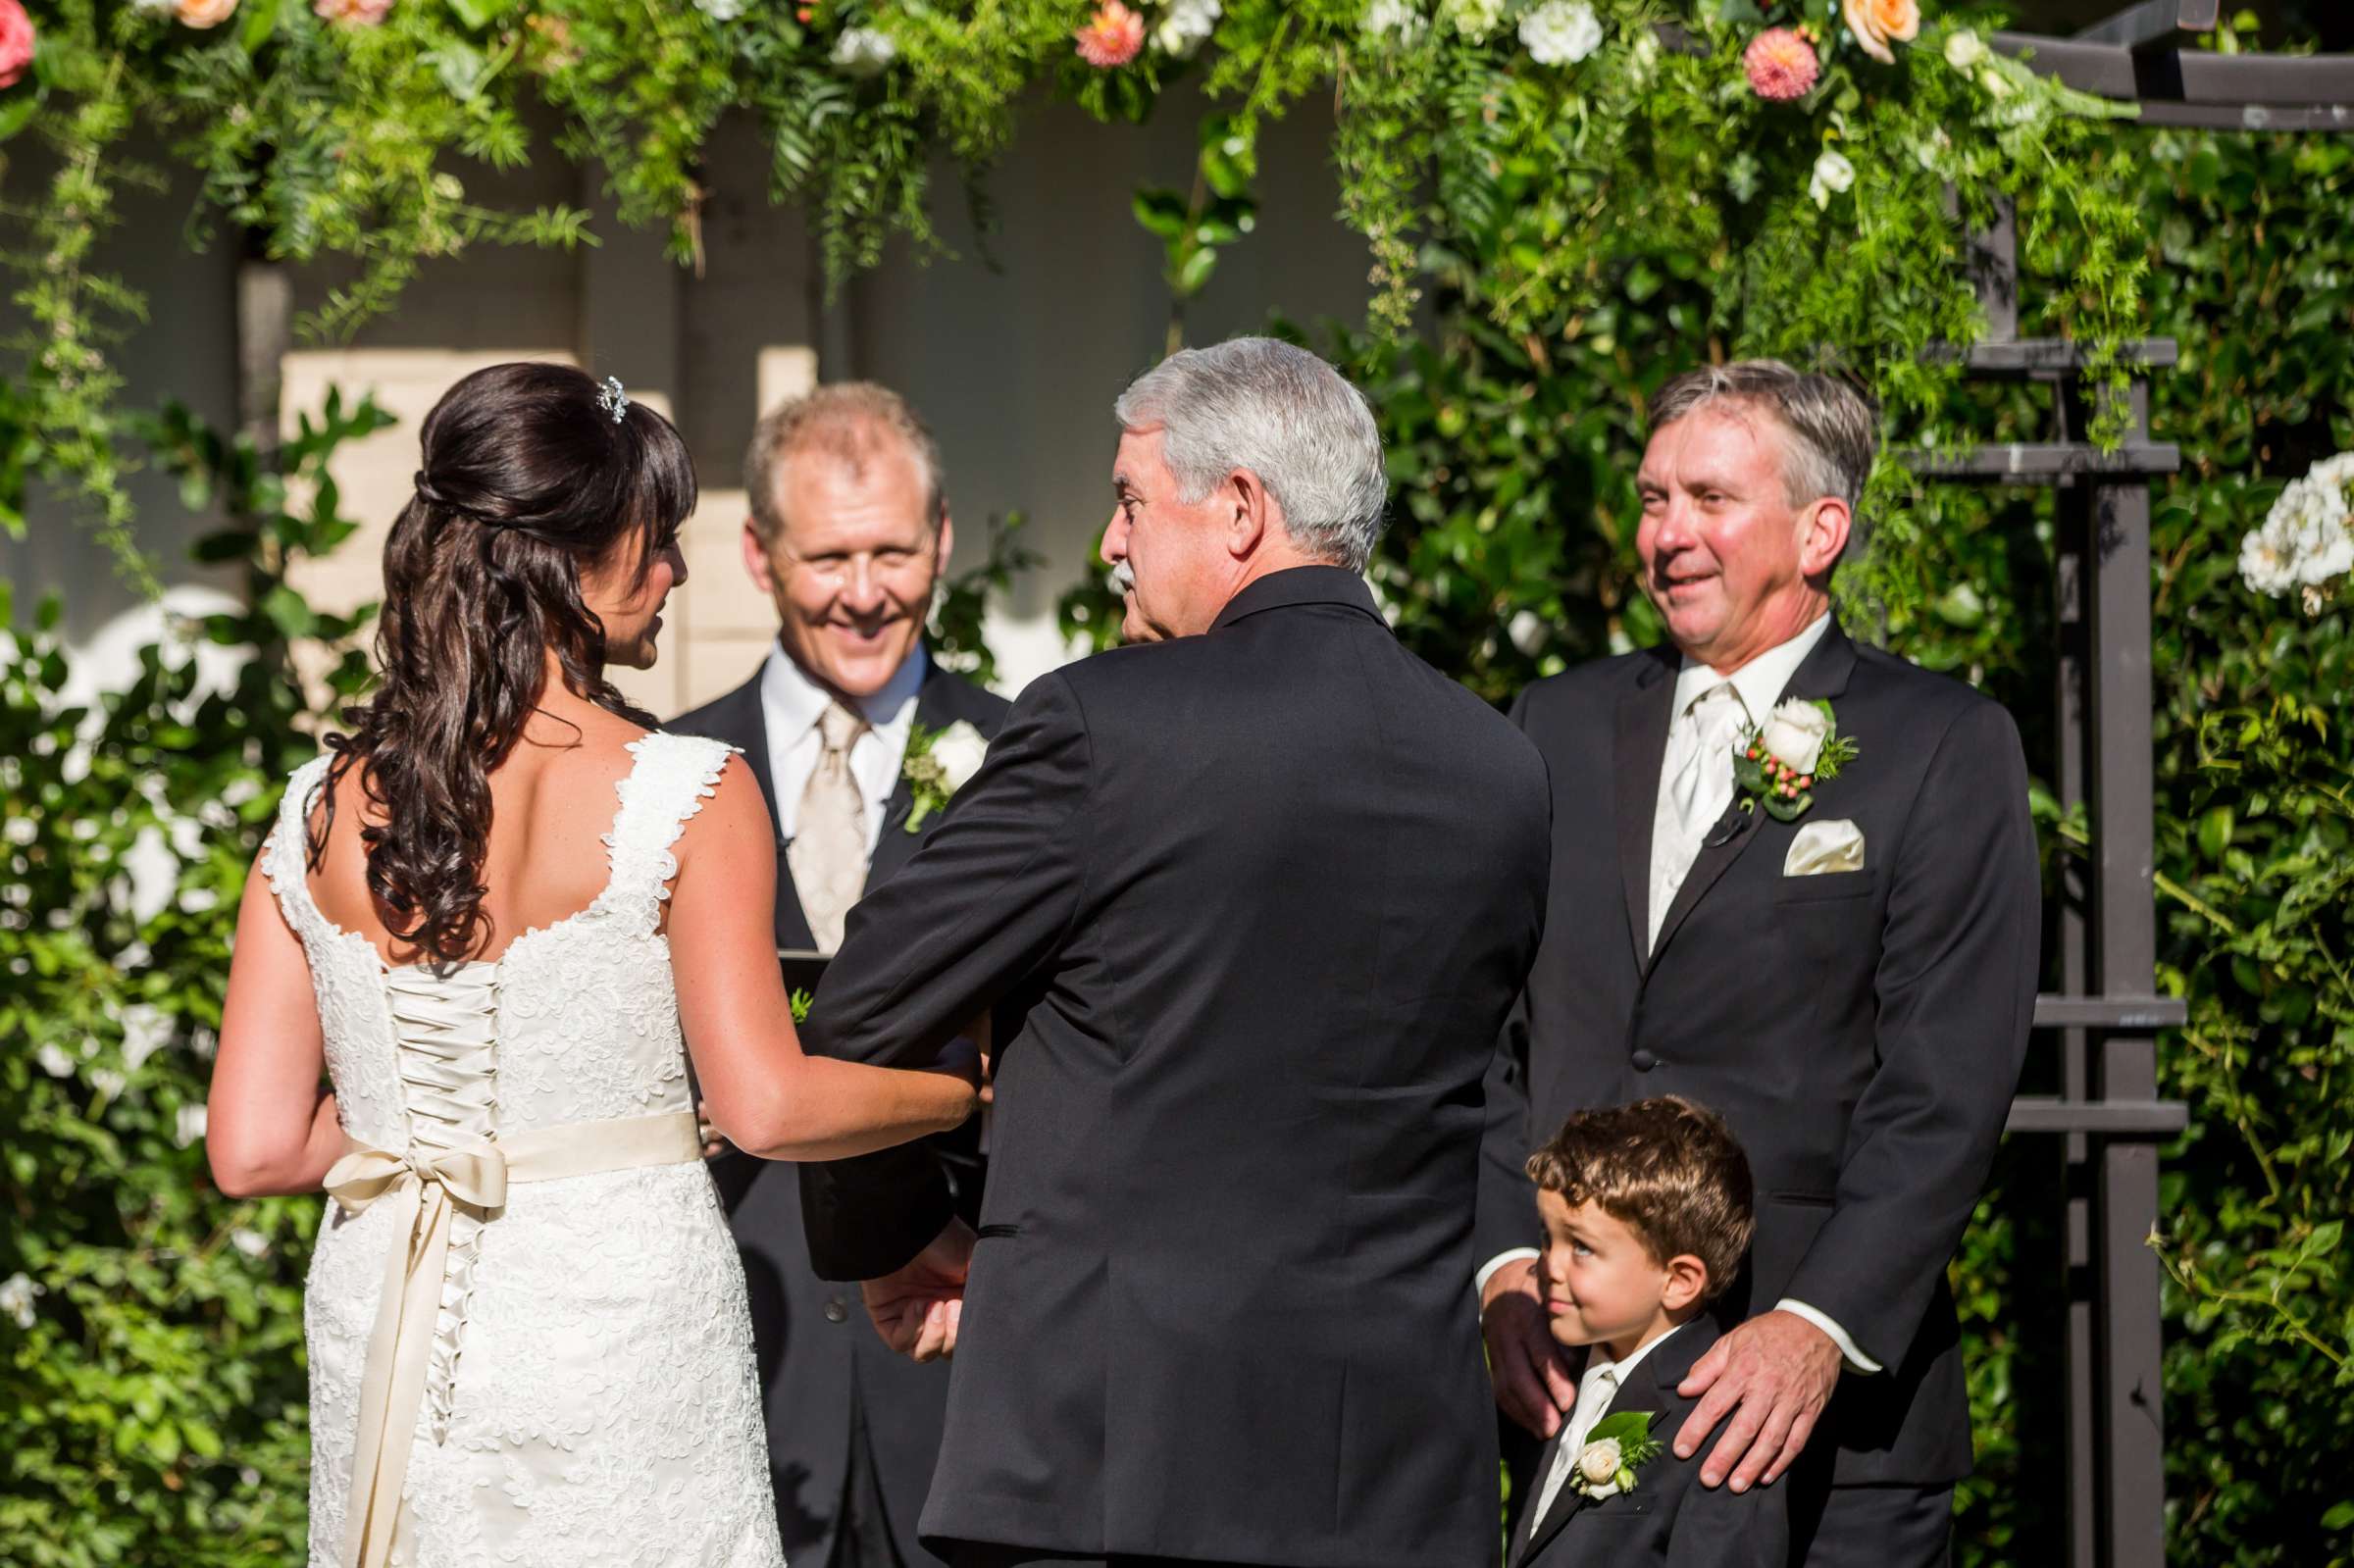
(16,43)
(203,13)
(1874,23)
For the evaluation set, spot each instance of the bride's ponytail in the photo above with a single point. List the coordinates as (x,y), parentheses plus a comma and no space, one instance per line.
(530,476)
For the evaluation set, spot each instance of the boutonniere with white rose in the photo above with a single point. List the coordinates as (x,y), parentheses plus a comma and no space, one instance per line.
(937,766)
(1614,1450)
(1778,763)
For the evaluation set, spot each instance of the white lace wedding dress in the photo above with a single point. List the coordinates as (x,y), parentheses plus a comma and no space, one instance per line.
(580,1361)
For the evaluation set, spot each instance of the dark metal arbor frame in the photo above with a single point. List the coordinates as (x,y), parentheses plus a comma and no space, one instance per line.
(2106,1014)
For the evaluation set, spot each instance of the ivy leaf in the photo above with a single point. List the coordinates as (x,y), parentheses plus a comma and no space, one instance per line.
(1160,212)
(261,20)
(480,14)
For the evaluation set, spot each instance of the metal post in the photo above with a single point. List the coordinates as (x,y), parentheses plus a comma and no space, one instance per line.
(2131,1518)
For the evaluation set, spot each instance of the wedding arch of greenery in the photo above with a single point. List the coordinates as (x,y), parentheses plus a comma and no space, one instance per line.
(1562,201)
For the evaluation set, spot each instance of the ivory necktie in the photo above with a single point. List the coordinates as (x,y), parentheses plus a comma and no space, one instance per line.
(828,852)
(1697,793)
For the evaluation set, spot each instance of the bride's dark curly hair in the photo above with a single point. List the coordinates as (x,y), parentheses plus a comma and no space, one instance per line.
(529,479)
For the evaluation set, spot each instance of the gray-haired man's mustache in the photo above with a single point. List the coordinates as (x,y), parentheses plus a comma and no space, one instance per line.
(1123,577)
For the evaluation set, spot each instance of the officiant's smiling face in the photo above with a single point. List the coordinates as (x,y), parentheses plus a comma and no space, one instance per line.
(852,564)
(1171,558)
(1734,564)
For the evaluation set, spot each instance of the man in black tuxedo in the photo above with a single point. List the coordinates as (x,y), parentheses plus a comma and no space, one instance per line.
(1851,987)
(848,533)
(1259,892)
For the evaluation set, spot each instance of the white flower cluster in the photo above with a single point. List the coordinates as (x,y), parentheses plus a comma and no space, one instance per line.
(1400,19)
(720,10)
(1187,27)
(17,1294)
(1561,33)
(1473,19)
(2307,540)
(863,51)
(1832,174)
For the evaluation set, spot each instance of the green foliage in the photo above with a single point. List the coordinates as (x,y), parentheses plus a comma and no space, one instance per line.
(954,631)
(152,1394)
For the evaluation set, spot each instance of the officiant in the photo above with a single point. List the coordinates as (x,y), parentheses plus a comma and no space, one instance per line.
(849,534)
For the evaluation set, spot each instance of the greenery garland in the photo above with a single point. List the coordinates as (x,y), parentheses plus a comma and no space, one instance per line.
(1535,153)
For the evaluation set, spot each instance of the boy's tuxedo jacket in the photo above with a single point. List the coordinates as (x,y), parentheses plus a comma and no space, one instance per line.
(1670,1518)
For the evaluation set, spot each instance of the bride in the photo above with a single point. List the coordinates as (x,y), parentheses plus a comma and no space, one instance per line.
(503,914)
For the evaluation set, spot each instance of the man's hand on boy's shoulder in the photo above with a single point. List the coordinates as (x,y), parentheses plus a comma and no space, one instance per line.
(1532,1377)
(1774,1375)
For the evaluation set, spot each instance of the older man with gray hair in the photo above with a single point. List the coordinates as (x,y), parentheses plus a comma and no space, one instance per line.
(1827,869)
(1259,891)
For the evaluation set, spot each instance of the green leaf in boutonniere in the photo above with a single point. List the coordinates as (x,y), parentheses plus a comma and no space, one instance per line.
(937,764)
(1617,1446)
(1777,764)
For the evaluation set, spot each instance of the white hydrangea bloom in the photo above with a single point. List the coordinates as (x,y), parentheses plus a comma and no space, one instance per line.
(1473,19)
(864,51)
(1187,27)
(1400,19)
(17,1293)
(1561,33)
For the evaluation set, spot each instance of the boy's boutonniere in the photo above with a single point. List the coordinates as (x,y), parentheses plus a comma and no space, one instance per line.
(937,766)
(1777,764)
(1617,1446)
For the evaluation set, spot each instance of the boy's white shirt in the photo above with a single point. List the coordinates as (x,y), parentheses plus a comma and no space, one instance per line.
(1595,1391)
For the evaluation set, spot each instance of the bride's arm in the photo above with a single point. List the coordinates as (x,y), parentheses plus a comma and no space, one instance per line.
(757,1087)
(270,1124)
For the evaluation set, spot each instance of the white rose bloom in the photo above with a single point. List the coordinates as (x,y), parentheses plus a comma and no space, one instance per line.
(17,1293)
(1396,17)
(1965,50)
(960,750)
(1561,33)
(250,1243)
(55,1062)
(1795,734)
(1832,174)
(146,1030)
(2265,565)
(1473,19)
(1527,632)
(864,51)
(1187,27)
(191,1126)
(1598,1462)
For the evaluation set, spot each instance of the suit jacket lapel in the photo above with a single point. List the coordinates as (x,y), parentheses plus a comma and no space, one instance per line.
(1822,674)
(893,849)
(1639,744)
(1651,1387)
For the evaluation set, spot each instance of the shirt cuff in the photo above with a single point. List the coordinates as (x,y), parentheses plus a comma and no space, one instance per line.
(1849,1352)
(1487,1270)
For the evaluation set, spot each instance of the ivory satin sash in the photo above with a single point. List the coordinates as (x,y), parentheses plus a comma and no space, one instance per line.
(401,1348)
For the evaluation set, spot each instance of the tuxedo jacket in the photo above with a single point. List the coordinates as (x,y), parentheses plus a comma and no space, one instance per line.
(1861,1030)
(818,1353)
(1260,899)
(1669,1520)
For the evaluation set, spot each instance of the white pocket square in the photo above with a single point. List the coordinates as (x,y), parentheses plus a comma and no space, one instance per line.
(1822,846)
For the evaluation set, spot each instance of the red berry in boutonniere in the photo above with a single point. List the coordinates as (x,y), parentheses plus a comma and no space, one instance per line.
(1776,765)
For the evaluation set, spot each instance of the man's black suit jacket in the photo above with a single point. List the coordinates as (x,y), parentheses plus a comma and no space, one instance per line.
(818,1354)
(1669,1520)
(1861,1032)
(1260,898)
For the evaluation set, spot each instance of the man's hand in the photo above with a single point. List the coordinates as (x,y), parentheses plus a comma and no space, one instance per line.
(1532,1379)
(917,1308)
(1774,1375)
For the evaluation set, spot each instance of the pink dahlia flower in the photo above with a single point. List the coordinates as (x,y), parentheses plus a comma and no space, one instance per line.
(1112,37)
(1781,64)
(356,13)
(16,42)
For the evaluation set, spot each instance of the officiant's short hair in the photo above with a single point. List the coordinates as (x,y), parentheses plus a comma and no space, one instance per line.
(1668,1170)
(847,421)
(1834,430)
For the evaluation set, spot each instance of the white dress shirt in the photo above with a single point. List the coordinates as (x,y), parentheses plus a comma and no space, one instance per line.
(1676,838)
(1600,1383)
(790,704)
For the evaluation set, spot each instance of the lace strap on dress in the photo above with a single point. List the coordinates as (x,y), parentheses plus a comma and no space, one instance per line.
(284,857)
(668,782)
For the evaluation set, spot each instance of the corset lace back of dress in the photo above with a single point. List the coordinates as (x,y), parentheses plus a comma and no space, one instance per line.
(590,1395)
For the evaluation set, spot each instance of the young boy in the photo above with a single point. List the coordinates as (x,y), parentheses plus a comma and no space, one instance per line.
(1646,1215)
